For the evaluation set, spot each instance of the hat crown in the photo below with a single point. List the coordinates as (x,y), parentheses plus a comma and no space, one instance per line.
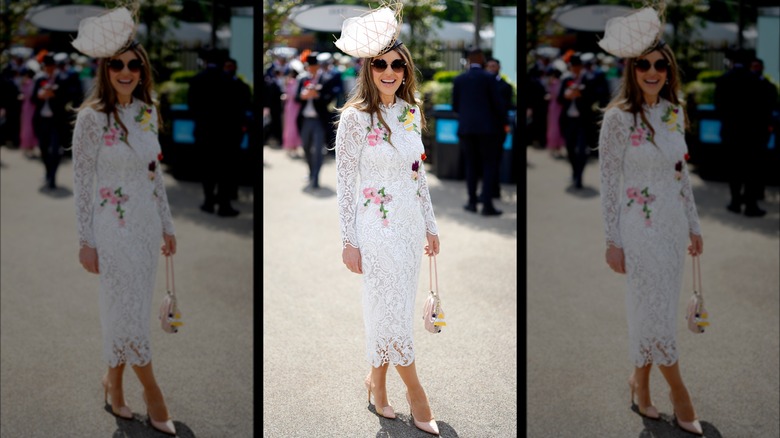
(632,35)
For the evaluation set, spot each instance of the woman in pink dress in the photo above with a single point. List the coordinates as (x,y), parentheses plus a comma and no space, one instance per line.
(291,138)
(555,140)
(27,139)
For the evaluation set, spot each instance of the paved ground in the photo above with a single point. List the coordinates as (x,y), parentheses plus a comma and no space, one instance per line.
(578,366)
(50,330)
(313,361)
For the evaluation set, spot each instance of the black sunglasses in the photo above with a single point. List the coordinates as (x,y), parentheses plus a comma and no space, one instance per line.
(644,65)
(380,65)
(117,65)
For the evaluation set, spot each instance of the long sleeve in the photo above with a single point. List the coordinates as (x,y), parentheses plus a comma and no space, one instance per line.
(427,205)
(162,202)
(349,137)
(687,191)
(613,141)
(86,142)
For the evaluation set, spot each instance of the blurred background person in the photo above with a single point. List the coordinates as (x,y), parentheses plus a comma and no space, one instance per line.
(27,140)
(555,140)
(274,85)
(768,97)
(52,94)
(741,110)
(240,98)
(291,138)
(10,106)
(493,66)
(577,96)
(212,111)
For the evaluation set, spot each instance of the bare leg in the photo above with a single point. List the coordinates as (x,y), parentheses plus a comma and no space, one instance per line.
(154,397)
(641,380)
(378,379)
(116,393)
(422,410)
(683,407)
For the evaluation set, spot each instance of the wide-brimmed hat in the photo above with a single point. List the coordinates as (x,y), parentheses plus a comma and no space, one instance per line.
(371,34)
(632,35)
(107,34)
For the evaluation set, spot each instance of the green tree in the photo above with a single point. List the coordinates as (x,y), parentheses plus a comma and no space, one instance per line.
(275,14)
(12,14)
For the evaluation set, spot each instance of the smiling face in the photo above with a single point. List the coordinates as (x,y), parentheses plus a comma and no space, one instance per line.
(124,82)
(387,81)
(651,81)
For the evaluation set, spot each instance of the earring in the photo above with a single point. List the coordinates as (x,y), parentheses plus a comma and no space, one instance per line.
(403,82)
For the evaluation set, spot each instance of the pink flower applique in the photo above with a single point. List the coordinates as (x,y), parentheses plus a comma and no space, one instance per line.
(375,135)
(381,198)
(643,198)
(115,197)
(639,134)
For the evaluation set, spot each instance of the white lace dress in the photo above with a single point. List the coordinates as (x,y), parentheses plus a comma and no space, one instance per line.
(122,210)
(649,211)
(385,211)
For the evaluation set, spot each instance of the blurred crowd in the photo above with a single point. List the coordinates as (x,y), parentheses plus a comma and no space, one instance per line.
(283,80)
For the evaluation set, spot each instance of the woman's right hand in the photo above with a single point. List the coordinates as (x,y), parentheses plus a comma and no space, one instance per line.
(89,259)
(616,259)
(351,257)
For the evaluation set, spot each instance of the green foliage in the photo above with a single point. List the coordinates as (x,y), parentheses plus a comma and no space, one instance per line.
(173,92)
(183,76)
(703,92)
(709,76)
(445,76)
(437,92)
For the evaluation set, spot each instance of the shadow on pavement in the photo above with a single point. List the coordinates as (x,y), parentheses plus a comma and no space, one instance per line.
(585,192)
(185,199)
(322,192)
(139,427)
(403,427)
(449,196)
(58,193)
(666,428)
(712,197)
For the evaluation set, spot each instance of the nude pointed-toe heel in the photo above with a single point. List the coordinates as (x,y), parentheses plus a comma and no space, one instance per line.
(693,427)
(647,411)
(164,426)
(386,411)
(425,426)
(123,412)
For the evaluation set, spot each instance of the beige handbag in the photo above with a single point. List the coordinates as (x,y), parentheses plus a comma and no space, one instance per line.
(170,316)
(697,315)
(433,316)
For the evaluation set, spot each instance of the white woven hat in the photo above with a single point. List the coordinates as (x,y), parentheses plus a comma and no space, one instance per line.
(370,34)
(632,35)
(105,35)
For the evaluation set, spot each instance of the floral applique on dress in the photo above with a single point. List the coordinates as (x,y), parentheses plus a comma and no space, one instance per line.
(416,170)
(643,198)
(111,134)
(378,197)
(407,117)
(375,135)
(640,134)
(144,117)
(115,197)
(152,167)
(670,118)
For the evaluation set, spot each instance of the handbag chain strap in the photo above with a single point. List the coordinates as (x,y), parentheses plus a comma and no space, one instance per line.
(433,271)
(697,275)
(172,288)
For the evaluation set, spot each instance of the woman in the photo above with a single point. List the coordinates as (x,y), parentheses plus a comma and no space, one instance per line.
(120,224)
(650,215)
(27,139)
(386,215)
(555,140)
(291,139)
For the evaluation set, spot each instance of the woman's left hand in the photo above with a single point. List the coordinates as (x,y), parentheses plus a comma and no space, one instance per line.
(432,248)
(169,245)
(697,245)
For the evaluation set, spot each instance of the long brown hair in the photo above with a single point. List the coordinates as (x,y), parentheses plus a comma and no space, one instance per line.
(629,97)
(365,95)
(103,98)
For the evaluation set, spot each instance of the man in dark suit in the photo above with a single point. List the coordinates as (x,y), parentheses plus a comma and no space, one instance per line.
(743,124)
(578,95)
(476,99)
(316,90)
(207,100)
(493,66)
(769,98)
(52,93)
